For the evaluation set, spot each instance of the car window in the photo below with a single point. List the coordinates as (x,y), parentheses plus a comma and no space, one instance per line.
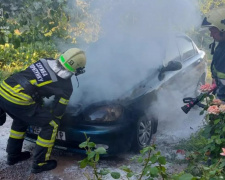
(186,48)
(172,51)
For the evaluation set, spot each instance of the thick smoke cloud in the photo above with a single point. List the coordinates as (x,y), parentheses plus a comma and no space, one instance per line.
(127,48)
(130,47)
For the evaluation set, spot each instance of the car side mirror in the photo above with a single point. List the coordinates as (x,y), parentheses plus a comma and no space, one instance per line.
(172,66)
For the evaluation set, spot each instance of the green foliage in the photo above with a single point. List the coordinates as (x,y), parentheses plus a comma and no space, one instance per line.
(45,20)
(215,126)
(215,171)
(92,159)
(196,142)
(203,148)
(152,163)
(31,29)
(206,5)
(13,60)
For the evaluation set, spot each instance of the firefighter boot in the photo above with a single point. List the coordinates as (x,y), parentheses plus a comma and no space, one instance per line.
(45,166)
(13,159)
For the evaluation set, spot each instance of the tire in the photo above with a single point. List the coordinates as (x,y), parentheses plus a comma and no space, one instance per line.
(143,133)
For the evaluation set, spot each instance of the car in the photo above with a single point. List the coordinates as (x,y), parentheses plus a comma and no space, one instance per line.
(128,122)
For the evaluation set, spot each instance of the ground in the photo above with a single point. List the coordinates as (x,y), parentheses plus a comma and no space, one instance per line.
(68,167)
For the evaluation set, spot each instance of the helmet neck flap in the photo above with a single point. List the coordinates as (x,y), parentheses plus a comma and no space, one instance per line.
(56,66)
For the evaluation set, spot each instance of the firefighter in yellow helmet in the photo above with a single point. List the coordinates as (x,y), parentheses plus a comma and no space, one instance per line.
(21,96)
(215,21)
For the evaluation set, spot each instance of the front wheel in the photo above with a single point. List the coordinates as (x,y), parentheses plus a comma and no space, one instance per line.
(143,133)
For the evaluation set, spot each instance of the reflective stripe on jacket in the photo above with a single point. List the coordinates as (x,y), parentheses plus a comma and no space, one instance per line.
(47,83)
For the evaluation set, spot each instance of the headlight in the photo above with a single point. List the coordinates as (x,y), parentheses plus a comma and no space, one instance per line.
(104,113)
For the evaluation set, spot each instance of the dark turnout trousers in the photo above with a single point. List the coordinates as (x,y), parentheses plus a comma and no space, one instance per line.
(19,94)
(26,115)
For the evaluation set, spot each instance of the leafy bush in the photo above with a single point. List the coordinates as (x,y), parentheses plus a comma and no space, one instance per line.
(13,60)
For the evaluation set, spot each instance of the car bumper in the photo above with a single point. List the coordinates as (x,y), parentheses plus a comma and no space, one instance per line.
(114,138)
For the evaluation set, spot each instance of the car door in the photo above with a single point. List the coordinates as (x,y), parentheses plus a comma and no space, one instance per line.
(186,80)
(180,83)
(194,66)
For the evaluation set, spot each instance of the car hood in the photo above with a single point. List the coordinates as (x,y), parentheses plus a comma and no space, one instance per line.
(145,86)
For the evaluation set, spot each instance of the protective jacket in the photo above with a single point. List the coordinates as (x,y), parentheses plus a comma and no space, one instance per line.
(18,100)
(46,84)
(218,69)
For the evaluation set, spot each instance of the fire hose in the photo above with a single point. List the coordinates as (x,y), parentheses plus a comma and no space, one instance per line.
(191,102)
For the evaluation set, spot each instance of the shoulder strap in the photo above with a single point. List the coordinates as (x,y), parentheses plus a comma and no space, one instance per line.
(28,87)
(24,82)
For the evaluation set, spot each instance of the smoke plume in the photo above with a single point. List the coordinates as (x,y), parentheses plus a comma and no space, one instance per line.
(128,48)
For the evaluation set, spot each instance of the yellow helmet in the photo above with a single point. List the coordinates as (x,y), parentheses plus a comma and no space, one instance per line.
(73,60)
(215,18)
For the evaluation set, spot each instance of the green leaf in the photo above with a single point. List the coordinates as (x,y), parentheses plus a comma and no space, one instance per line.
(186,177)
(154,171)
(222,165)
(206,168)
(217,131)
(91,144)
(134,158)
(162,160)
(91,155)
(211,97)
(212,172)
(163,169)
(125,168)
(130,174)
(97,157)
(100,150)
(216,121)
(83,144)
(83,163)
(115,175)
(201,112)
(153,159)
(146,149)
(212,147)
(218,141)
(140,159)
(104,172)
(90,163)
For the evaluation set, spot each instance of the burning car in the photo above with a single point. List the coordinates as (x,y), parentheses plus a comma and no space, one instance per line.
(128,122)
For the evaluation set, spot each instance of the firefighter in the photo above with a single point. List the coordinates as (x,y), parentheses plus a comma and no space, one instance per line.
(21,98)
(215,21)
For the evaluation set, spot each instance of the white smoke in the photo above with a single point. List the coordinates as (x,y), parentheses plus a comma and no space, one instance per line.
(174,124)
(126,51)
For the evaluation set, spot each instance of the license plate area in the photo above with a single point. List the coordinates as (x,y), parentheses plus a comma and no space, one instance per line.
(61,135)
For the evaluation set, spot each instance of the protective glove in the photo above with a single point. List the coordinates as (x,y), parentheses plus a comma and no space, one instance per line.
(2,117)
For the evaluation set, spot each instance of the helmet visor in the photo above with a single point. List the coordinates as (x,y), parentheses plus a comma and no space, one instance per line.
(206,23)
